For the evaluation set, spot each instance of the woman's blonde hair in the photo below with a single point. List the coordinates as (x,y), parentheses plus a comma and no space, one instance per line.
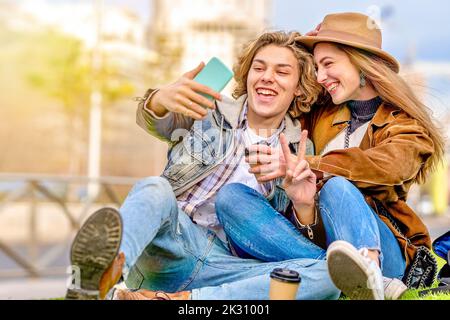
(307,80)
(393,89)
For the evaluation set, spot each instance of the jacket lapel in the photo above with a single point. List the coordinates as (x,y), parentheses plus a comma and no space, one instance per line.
(330,124)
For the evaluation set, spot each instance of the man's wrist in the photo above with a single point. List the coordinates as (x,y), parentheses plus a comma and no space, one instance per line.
(154,109)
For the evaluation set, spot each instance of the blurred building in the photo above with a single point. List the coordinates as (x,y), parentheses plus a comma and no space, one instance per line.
(123,32)
(124,45)
(79,19)
(196,30)
(429,80)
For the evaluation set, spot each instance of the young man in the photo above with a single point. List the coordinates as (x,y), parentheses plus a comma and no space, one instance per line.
(167,236)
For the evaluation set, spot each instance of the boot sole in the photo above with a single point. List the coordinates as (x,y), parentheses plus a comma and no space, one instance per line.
(93,250)
(348,275)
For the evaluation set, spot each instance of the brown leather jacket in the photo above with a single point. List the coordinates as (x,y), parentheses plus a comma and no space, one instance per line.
(383,167)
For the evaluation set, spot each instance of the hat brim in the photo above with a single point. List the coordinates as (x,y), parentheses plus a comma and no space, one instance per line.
(310,41)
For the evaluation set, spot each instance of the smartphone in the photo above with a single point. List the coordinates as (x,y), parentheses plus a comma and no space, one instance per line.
(215,75)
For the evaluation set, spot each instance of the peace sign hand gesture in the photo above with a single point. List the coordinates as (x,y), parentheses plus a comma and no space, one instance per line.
(299,182)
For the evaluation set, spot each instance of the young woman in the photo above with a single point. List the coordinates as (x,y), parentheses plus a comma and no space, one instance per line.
(372,142)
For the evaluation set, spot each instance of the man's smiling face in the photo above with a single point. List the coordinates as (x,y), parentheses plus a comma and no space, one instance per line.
(272,82)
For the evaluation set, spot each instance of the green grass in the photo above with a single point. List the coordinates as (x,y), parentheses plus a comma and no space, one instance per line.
(414,294)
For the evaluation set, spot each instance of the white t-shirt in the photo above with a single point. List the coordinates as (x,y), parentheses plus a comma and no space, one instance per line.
(205,214)
(354,139)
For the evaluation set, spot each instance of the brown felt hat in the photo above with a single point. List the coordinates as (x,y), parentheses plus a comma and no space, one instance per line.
(352,29)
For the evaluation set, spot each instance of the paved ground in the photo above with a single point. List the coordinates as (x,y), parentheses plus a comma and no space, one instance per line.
(48,288)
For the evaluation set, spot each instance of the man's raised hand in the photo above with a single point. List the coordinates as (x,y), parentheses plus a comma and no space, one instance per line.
(299,182)
(183,97)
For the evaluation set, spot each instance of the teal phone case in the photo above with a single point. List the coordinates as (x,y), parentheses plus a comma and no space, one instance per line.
(215,75)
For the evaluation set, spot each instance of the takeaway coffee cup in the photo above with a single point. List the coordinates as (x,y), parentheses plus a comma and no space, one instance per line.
(284,284)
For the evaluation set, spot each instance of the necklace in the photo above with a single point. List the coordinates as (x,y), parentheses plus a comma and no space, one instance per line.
(347,136)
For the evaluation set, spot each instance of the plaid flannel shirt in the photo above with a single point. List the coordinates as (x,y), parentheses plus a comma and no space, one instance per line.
(193,198)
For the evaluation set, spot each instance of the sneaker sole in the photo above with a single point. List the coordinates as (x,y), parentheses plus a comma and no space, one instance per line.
(93,250)
(348,275)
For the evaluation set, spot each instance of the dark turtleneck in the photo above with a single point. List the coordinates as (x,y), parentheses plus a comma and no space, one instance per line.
(362,111)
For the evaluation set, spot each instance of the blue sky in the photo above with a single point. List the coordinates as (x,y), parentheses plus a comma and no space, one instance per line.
(419,24)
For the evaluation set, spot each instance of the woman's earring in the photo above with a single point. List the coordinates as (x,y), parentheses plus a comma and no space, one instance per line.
(362,80)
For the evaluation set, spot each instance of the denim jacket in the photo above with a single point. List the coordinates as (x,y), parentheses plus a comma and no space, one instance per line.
(197,147)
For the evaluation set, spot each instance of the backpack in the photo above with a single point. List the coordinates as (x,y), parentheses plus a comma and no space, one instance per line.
(441,246)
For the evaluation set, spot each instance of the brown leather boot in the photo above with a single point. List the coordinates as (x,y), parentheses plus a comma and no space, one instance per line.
(96,262)
(143,294)
(111,276)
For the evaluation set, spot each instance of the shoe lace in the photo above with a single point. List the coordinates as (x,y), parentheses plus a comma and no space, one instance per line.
(365,254)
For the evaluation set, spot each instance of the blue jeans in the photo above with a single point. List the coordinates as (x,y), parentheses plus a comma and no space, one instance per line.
(166,251)
(257,229)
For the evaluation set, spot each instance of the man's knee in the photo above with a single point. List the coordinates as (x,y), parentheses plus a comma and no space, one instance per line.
(228,199)
(159,183)
(229,194)
(152,192)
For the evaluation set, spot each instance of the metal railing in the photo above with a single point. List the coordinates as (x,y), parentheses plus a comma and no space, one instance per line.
(36,189)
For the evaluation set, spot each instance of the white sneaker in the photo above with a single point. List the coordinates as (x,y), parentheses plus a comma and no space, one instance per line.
(353,272)
(393,288)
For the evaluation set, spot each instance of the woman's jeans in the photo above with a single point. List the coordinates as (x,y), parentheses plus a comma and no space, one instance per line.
(166,251)
(257,229)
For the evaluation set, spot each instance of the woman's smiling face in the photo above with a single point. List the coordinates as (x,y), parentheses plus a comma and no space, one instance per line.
(337,74)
